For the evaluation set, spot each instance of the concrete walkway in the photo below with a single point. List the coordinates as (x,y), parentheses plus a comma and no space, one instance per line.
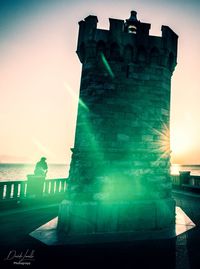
(16,224)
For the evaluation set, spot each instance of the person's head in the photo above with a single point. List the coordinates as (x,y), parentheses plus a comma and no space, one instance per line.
(43,159)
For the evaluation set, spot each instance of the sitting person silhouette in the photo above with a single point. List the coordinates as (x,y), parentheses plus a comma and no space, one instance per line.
(41,168)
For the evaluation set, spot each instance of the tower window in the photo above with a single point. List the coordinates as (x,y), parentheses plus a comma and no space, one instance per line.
(132,29)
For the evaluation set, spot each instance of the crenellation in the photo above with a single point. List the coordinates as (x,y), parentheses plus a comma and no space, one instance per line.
(116,30)
(90,28)
(118,44)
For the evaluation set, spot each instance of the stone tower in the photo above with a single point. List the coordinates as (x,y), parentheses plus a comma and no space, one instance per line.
(119,178)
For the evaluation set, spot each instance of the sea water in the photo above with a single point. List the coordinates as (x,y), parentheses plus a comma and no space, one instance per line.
(20,171)
(176,168)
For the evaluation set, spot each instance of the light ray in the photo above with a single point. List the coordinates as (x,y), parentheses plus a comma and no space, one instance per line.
(163,143)
(75,96)
(42,148)
(106,64)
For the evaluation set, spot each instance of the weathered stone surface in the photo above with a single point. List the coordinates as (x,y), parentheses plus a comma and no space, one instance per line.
(115,217)
(107,218)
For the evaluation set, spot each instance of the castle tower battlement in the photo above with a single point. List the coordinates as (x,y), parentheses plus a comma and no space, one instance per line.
(130,37)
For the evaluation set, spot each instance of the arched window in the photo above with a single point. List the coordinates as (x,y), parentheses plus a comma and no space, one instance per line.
(154,56)
(132,29)
(114,51)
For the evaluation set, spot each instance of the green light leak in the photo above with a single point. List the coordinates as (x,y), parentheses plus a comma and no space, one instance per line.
(117,187)
(111,182)
(75,96)
(107,66)
(42,148)
(83,104)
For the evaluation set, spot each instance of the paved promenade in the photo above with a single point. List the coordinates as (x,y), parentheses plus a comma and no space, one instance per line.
(16,224)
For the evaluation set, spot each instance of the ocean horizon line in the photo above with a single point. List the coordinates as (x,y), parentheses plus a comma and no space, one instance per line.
(19,171)
(52,163)
(21,163)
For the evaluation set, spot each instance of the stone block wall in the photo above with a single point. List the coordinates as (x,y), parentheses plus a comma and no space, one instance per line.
(122,147)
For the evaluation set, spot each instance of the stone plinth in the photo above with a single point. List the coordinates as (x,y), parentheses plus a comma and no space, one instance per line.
(35,185)
(50,235)
(143,218)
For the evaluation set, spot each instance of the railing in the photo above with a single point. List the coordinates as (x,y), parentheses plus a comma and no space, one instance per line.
(16,190)
(54,186)
(175,180)
(186,181)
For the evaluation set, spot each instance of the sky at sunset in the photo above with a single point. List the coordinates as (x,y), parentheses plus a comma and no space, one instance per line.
(38,66)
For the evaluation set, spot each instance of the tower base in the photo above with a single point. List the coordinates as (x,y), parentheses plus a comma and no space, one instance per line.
(94,223)
(138,219)
(49,233)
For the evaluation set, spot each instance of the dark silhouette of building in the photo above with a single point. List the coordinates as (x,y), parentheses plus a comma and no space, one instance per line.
(121,157)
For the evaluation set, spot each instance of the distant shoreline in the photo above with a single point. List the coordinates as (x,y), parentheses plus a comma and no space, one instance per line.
(19,171)
(1,163)
(192,165)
